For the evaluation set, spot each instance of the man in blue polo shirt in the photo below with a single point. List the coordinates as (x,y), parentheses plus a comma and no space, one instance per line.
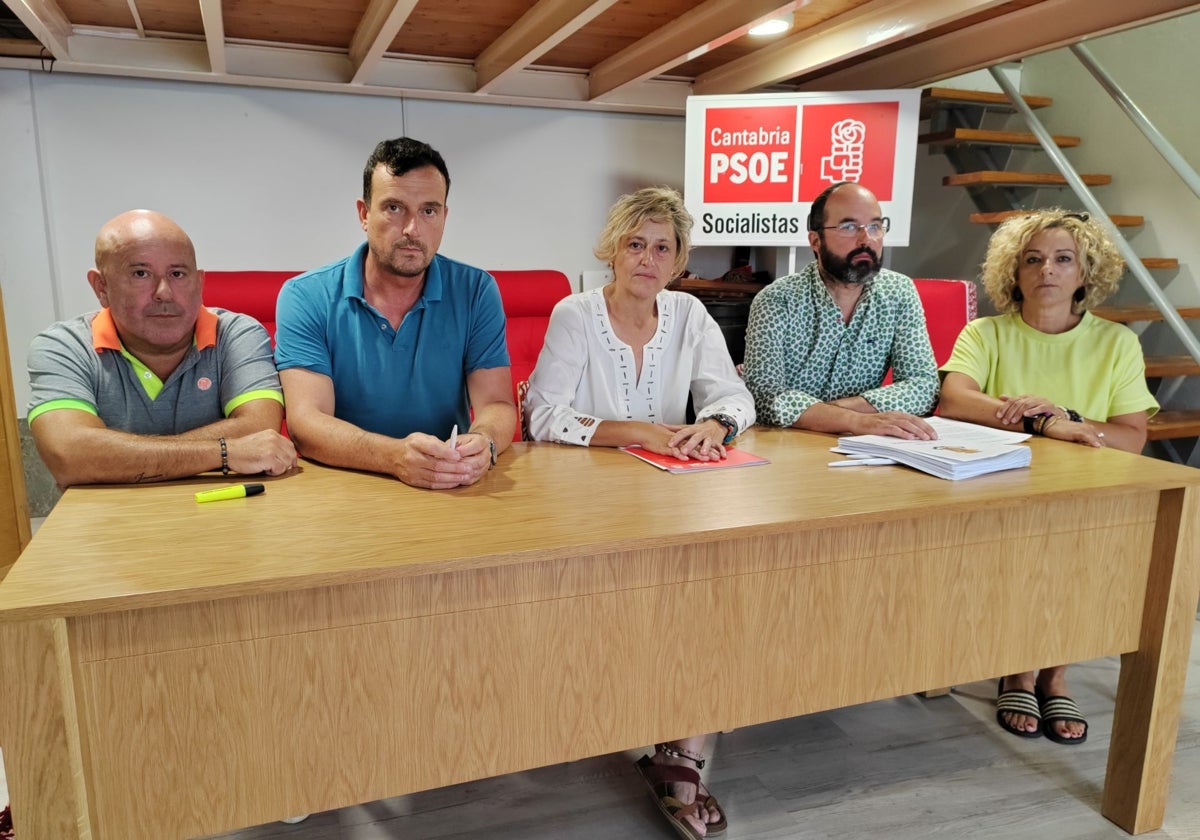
(154,386)
(384,353)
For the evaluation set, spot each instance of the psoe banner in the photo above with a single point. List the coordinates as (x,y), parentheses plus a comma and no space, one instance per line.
(754,163)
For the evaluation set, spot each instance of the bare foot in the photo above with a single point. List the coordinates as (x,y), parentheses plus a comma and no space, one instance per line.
(1053,683)
(1024,682)
(699,817)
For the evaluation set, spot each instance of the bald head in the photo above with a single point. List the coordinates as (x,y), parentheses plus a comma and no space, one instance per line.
(817,215)
(146,276)
(135,228)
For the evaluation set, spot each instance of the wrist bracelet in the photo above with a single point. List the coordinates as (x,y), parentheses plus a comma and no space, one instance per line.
(730,425)
(1033,425)
(224,456)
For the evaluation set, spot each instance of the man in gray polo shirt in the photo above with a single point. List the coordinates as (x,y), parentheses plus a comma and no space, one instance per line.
(154,386)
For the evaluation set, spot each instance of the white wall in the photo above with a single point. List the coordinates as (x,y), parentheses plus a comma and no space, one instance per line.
(267,179)
(27,270)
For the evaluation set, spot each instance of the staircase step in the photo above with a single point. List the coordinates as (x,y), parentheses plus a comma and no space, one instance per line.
(997,218)
(1160,262)
(1000,178)
(1174,424)
(1129,313)
(984,137)
(1171,366)
(932,98)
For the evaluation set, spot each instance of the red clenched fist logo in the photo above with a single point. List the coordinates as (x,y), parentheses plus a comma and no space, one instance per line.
(849,142)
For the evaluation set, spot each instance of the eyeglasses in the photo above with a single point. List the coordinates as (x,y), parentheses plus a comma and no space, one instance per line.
(873,230)
(1083,217)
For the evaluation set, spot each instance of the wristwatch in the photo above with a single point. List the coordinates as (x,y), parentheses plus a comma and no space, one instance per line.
(730,426)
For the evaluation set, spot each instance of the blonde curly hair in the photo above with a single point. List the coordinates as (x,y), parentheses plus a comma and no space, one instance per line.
(652,204)
(1100,264)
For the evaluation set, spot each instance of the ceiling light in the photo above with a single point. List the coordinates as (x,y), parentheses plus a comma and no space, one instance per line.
(773,26)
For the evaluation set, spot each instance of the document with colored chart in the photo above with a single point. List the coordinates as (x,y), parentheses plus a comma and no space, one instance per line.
(733,458)
(962,450)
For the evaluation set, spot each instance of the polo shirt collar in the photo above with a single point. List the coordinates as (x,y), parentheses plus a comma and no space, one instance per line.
(354,277)
(105,337)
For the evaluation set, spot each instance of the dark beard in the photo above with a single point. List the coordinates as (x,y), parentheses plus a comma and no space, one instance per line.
(844,270)
(398,269)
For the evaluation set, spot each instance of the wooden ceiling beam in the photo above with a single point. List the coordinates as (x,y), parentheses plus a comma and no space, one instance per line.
(47,23)
(538,31)
(374,35)
(1051,25)
(214,34)
(19,48)
(864,29)
(137,18)
(710,25)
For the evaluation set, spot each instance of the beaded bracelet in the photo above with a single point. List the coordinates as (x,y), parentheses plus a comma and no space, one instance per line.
(669,749)
(224,456)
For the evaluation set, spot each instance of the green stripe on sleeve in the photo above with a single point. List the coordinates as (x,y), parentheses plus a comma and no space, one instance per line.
(242,399)
(54,405)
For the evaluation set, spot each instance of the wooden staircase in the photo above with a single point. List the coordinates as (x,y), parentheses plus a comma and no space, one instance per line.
(980,157)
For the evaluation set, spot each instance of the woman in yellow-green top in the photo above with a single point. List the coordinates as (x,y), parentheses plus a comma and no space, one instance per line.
(1047,366)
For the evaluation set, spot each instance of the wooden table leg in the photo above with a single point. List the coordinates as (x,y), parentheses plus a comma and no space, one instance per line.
(1150,689)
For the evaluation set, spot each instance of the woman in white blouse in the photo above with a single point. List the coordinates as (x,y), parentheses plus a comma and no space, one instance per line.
(620,362)
(617,368)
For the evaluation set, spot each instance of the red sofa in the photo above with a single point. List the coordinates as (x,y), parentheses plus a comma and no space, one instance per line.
(528,298)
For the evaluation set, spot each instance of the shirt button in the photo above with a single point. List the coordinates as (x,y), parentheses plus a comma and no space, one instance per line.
(383,326)
(146,375)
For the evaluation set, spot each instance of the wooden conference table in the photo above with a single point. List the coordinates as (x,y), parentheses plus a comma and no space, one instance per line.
(171,669)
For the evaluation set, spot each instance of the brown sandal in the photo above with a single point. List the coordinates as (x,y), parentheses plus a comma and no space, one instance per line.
(658,776)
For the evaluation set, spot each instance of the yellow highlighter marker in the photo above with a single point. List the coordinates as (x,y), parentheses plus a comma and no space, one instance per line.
(237,491)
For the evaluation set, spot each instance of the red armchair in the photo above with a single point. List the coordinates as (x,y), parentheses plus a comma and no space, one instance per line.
(529,298)
(249,292)
(949,305)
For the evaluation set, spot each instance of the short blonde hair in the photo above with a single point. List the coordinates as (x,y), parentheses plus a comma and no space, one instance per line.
(1100,263)
(652,204)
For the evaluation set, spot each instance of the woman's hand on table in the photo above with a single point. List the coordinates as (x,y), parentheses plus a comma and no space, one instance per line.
(1014,410)
(700,441)
(1084,432)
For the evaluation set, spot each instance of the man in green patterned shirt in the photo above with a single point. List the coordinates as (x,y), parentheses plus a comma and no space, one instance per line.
(819,343)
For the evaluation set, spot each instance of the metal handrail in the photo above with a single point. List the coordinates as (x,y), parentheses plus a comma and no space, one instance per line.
(1132,261)
(1163,146)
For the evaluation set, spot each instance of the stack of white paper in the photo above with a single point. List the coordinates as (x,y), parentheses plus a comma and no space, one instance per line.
(962,450)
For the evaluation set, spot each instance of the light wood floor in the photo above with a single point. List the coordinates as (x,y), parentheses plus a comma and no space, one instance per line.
(898,769)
